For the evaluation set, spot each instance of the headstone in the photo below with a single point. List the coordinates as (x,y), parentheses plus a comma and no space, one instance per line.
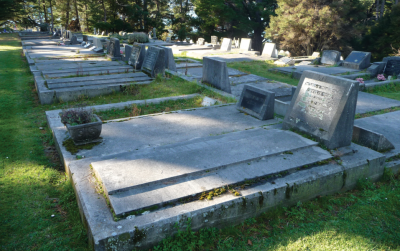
(154,34)
(285,61)
(85,38)
(330,57)
(168,40)
(214,40)
(74,40)
(324,107)
(154,62)
(316,55)
(392,66)
(169,58)
(83,43)
(102,33)
(137,56)
(114,51)
(226,44)
(99,44)
(358,60)
(200,41)
(270,50)
(94,31)
(257,102)
(215,72)
(124,34)
(245,45)
(376,68)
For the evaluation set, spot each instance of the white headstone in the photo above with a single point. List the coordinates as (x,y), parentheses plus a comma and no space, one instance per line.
(226,44)
(245,45)
(270,50)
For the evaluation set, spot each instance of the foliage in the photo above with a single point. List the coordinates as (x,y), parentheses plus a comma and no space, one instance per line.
(383,39)
(138,37)
(164,36)
(235,17)
(305,26)
(77,116)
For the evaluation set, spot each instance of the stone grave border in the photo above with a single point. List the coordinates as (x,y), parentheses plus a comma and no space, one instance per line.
(303,185)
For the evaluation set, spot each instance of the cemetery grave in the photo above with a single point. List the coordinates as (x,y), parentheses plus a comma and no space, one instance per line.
(156,175)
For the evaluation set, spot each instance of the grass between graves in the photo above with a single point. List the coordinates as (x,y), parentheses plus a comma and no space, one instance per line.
(363,219)
(391,90)
(137,110)
(33,187)
(260,68)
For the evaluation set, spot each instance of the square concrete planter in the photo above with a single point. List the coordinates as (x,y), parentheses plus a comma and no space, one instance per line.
(86,133)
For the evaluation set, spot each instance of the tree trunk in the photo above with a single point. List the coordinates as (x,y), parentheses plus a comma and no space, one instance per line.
(377,9)
(86,17)
(67,15)
(77,15)
(382,7)
(145,26)
(257,39)
(45,12)
(52,17)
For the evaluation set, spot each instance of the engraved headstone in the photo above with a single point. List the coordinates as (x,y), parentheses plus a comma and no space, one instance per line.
(324,107)
(169,58)
(226,44)
(270,50)
(392,66)
(114,51)
(137,56)
(215,72)
(245,45)
(154,62)
(214,40)
(358,60)
(330,57)
(257,102)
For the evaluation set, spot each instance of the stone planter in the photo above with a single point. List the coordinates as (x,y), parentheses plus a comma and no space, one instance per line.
(86,133)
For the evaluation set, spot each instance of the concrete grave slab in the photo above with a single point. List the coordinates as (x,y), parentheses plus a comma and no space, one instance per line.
(386,124)
(367,102)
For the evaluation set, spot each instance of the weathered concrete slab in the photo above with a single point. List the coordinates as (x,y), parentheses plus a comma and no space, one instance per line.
(386,124)
(246,79)
(367,102)
(87,71)
(371,139)
(228,167)
(62,65)
(150,131)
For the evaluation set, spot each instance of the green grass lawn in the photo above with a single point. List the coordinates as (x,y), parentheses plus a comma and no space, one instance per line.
(391,91)
(33,186)
(260,68)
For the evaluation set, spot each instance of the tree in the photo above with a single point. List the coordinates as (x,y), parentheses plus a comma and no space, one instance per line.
(384,36)
(236,17)
(305,26)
